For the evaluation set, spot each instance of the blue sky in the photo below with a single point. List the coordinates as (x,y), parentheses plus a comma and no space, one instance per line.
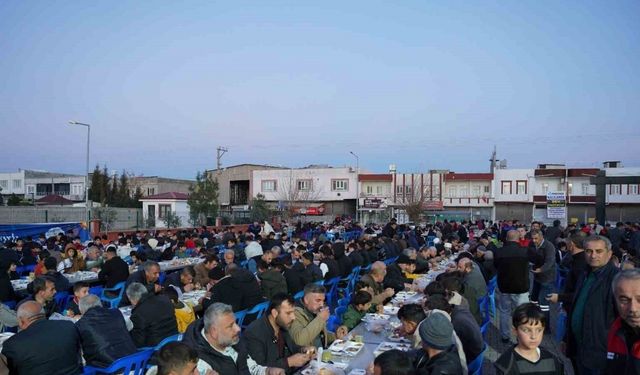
(422,84)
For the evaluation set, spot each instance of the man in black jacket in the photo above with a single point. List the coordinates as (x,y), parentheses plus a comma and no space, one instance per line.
(216,338)
(42,346)
(576,262)
(395,278)
(268,341)
(147,276)
(152,316)
(593,309)
(544,273)
(182,279)
(512,266)
(103,333)
(239,288)
(114,270)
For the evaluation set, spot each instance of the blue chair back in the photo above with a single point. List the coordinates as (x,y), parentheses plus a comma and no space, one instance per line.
(332,293)
(162,277)
(96,290)
(167,340)
(344,302)
(475,366)
(561,326)
(333,323)
(298,295)
(258,310)
(61,300)
(340,310)
(25,270)
(240,317)
(113,301)
(10,304)
(132,364)
(483,304)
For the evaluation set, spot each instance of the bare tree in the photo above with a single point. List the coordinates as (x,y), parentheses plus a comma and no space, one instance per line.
(297,193)
(414,197)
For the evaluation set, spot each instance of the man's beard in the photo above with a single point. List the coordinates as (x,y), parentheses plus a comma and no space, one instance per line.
(281,324)
(230,342)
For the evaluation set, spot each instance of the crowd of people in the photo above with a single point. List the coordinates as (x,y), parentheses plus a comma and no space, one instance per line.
(587,271)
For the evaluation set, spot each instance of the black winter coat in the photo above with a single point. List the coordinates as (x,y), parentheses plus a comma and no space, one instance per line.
(220,363)
(104,336)
(512,266)
(153,320)
(113,271)
(259,340)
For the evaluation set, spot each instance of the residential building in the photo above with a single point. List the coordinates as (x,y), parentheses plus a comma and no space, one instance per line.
(423,189)
(375,197)
(235,188)
(159,205)
(33,185)
(313,190)
(513,195)
(154,185)
(467,196)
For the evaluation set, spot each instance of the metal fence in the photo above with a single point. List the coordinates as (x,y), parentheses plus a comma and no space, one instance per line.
(123,218)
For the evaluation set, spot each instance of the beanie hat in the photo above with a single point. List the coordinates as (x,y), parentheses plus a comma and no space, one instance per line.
(436,332)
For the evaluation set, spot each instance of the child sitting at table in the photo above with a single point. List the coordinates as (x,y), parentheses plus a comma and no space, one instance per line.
(184,312)
(410,316)
(362,286)
(80,289)
(360,305)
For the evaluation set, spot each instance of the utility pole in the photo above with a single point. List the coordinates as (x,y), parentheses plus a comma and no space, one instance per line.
(221,151)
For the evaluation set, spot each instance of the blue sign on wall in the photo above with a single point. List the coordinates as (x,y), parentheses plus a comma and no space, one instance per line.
(11,232)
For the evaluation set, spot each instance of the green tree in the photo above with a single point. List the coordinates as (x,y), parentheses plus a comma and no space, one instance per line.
(203,198)
(14,200)
(172,220)
(106,215)
(259,209)
(135,201)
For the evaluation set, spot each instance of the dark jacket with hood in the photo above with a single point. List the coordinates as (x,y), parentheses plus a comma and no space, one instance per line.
(240,290)
(153,320)
(344,263)
(104,336)
(220,363)
(272,282)
(394,278)
(446,362)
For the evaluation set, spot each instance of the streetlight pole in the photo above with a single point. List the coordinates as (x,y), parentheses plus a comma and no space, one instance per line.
(357,186)
(86,176)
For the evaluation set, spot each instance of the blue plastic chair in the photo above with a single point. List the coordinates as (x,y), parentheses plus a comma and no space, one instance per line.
(25,270)
(10,304)
(240,317)
(113,301)
(298,295)
(561,277)
(491,293)
(258,309)
(135,363)
(333,323)
(61,299)
(344,302)
(162,277)
(561,326)
(332,290)
(167,340)
(475,366)
(96,290)
(340,310)
(483,304)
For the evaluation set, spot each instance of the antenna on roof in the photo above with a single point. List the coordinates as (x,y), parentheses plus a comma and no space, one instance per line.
(221,151)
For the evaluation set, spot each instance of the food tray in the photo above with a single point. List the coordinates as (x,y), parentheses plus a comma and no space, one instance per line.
(387,345)
(349,348)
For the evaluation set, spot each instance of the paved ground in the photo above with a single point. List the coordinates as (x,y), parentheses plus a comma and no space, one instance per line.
(496,347)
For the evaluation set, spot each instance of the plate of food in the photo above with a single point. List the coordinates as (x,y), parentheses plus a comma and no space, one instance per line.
(386,346)
(396,337)
(372,316)
(391,310)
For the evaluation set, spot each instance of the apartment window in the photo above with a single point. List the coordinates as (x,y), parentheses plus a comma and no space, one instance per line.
(339,185)
(453,192)
(76,189)
(476,191)
(304,185)
(17,184)
(379,190)
(407,190)
(268,185)
(521,187)
(506,187)
(464,192)
(4,184)
(369,189)
(151,191)
(487,189)
(545,188)
(570,188)
(31,189)
(585,189)
(615,189)
(163,209)
(399,189)
(633,189)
